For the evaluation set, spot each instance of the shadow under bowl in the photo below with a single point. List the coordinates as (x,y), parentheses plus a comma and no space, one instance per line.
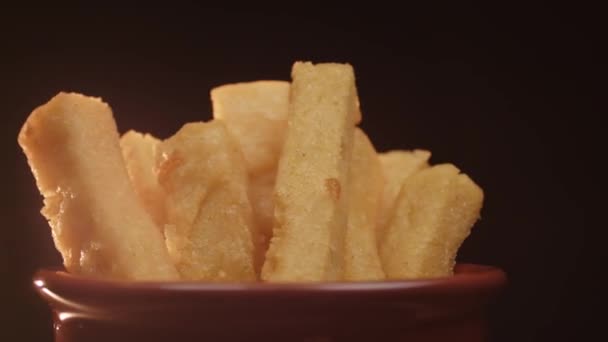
(451,308)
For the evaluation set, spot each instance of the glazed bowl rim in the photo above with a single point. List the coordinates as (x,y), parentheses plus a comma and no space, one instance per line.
(467,277)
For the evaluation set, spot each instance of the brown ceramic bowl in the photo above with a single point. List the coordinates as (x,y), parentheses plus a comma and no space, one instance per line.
(446,309)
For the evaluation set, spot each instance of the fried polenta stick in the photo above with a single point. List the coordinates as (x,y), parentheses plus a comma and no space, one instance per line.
(139,151)
(311,190)
(362,261)
(397,166)
(99,226)
(209,217)
(255,113)
(433,215)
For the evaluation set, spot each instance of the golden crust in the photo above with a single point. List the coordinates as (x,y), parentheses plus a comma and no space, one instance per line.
(309,219)
(433,215)
(397,166)
(209,218)
(362,261)
(97,221)
(139,153)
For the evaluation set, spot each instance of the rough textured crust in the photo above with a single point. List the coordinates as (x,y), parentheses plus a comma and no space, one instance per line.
(139,153)
(97,221)
(397,166)
(209,218)
(362,261)
(309,219)
(433,215)
(255,113)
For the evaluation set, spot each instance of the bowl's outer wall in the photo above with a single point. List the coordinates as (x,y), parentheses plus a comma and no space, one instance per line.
(453,309)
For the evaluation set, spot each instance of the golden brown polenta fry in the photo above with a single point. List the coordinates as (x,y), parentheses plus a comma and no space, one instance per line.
(98,223)
(433,215)
(139,151)
(362,261)
(311,189)
(255,113)
(209,219)
(397,166)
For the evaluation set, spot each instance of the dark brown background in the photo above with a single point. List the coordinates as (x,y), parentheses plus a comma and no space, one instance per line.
(504,93)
